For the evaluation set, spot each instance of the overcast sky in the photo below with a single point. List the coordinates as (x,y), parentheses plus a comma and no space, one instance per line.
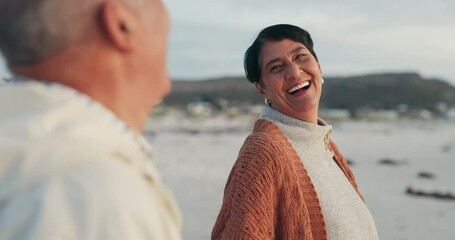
(209,37)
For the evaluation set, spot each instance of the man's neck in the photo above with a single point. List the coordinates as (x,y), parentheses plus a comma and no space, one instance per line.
(102,82)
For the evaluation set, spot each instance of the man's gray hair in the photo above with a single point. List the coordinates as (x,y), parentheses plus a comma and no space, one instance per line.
(31,30)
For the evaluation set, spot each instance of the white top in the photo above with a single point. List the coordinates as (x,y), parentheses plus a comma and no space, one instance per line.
(70,169)
(345,214)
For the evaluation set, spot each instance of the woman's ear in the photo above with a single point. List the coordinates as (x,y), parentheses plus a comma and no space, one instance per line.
(319,66)
(260,89)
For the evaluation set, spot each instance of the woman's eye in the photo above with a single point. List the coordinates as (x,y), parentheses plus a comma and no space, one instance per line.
(300,56)
(275,68)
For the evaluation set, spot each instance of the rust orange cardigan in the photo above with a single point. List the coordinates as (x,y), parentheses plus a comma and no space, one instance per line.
(269,194)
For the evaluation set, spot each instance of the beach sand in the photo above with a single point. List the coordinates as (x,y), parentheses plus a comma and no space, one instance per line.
(195,157)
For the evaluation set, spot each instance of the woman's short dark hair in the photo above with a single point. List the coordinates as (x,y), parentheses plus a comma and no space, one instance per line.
(273,33)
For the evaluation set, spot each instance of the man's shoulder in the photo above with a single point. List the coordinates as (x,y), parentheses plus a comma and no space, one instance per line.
(95,196)
(87,176)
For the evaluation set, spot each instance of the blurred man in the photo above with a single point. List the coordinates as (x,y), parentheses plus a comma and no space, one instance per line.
(73,164)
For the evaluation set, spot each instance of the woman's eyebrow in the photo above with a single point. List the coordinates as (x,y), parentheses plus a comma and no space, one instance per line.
(272,61)
(296,50)
(289,53)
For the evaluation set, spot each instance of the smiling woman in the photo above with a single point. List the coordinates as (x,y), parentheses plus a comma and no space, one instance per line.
(290,181)
(291,79)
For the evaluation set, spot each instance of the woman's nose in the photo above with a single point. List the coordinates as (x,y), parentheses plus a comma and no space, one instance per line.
(293,71)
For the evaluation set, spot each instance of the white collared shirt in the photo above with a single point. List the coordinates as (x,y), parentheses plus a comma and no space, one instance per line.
(70,169)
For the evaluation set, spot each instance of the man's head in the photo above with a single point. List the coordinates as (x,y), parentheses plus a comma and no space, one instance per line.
(32,30)
(112,50)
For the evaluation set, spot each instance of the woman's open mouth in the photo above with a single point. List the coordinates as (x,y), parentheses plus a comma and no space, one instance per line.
(300,87)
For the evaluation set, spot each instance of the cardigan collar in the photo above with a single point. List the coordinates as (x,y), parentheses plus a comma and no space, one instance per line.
(313,136)
(267,126)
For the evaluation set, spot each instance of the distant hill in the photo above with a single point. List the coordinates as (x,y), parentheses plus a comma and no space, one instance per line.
(383,91)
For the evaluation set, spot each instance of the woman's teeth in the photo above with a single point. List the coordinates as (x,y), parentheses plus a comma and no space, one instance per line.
(298,87)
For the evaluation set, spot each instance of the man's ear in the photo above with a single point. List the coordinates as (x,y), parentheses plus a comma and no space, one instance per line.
(119,25)
(260,89)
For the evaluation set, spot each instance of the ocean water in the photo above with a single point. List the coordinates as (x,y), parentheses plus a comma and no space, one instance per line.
(195,156)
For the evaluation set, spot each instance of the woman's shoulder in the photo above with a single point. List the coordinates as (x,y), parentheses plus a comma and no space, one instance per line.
(266,136)
(265,146)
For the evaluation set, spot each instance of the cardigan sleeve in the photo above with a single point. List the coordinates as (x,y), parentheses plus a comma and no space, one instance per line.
(249,204)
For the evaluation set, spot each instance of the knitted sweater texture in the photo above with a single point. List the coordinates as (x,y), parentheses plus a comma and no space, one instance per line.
(269,194)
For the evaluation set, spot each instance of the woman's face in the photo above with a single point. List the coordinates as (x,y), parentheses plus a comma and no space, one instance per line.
(291,79)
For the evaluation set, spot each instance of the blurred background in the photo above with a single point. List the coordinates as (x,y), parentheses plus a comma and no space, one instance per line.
(389,94)
(353,37)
